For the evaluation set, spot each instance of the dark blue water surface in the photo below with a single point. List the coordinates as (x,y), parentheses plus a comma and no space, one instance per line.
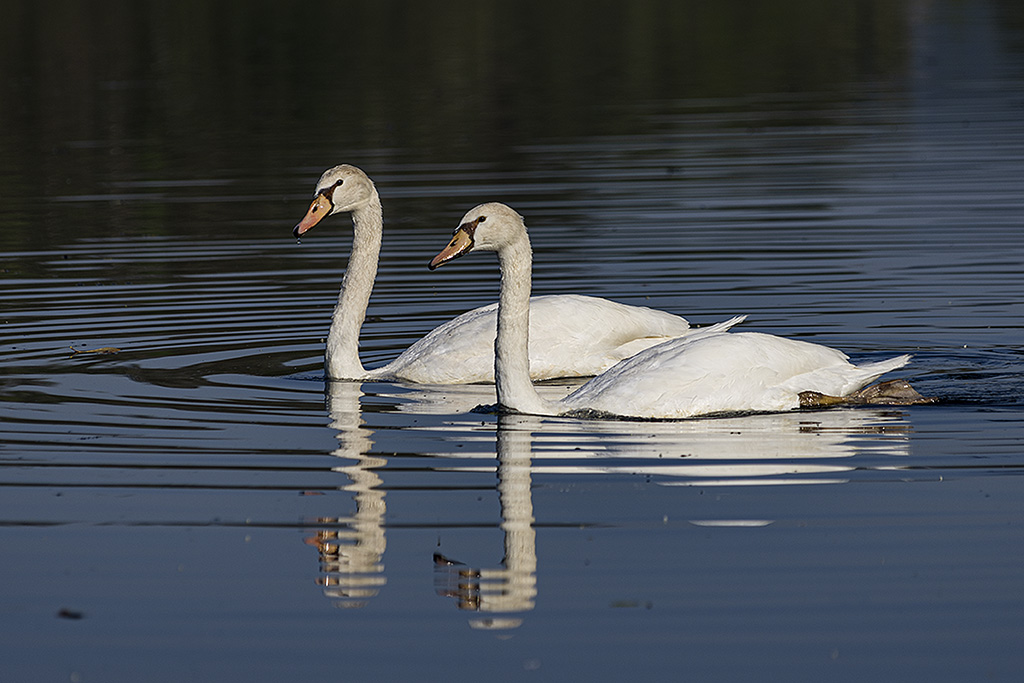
(183,497)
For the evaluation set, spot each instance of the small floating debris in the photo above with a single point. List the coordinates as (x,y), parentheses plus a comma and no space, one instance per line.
(443,561)
(65,613)
(100,351)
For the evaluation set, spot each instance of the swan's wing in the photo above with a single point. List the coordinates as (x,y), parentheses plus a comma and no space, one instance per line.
(570,336)
(579,336)
(460,351)
(714,373)
(635,346)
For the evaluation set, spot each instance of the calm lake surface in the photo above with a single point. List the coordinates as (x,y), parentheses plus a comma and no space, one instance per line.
(183,497)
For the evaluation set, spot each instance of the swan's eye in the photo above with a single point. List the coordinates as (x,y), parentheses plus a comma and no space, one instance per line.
(481,219)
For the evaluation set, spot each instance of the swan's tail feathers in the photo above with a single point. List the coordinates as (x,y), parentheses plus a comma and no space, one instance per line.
(884,366)
(869,372)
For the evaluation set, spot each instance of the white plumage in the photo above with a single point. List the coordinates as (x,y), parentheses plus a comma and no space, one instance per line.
(709,371)
(571,335)
(745,371)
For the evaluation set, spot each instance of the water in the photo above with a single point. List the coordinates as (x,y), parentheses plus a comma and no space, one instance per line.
(182,496)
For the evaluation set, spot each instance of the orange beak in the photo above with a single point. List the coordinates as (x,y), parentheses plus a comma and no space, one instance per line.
(460,245)
(320,207)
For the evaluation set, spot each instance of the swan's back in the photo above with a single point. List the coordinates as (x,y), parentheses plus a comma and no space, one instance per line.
(570,336)
(716,373)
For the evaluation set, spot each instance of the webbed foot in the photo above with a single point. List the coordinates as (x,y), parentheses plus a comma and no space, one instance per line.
(894,392)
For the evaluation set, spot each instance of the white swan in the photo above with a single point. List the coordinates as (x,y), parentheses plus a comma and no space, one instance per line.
(571,336)
(703,373)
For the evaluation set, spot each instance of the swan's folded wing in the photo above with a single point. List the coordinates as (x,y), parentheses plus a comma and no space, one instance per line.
(570,336)
(721,373)
(459,351)
(580,336)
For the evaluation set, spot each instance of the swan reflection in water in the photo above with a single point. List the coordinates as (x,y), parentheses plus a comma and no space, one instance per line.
(804,447)
(798,447)
(352,548)
(511,588)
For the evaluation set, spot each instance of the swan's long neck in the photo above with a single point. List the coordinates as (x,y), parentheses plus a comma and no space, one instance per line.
(512,343)
(342,357)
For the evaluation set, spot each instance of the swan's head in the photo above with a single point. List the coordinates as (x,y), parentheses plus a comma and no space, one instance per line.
(488,227)
(342,188)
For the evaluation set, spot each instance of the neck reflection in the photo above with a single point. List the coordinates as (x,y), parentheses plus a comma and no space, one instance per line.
(351,548)
(505,592)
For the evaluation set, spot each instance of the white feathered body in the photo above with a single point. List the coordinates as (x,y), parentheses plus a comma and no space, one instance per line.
(703,373)
(723,373)
(570,336)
